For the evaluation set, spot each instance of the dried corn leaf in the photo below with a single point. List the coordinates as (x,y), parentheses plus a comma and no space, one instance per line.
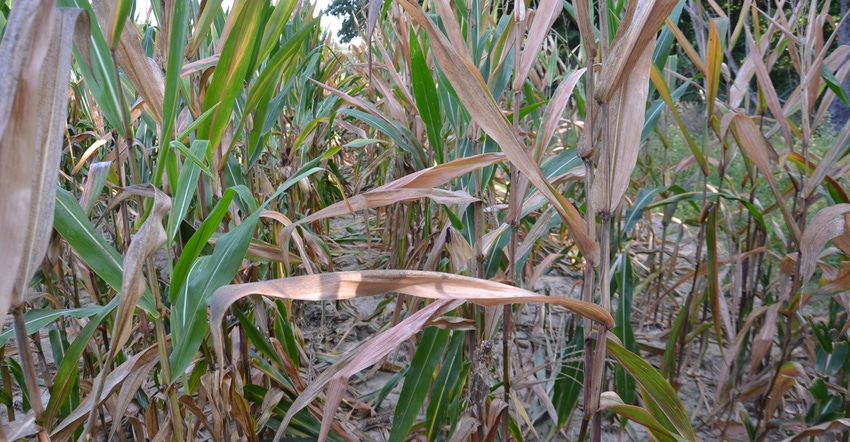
(150,238)
(369,355)
(837,425)
(545,15)
(824,226)
(377,198)
(767,88)
(34,75)
(639,26)
(626,115)
(764,340)
(143,72)
(554,110)
(471,88)
(443,173)
(134,370)
(585,28)
(346,285)
(759,151)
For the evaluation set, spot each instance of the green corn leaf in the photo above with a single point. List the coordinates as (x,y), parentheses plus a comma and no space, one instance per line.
(73,224)
(610,402)
(427,100)
(417,383)
(232,67)
(36,319)
(570,380)
(834,85)
(119,19)
(444,385)
(68,368)
(206,274)
(655,388)
(197,242)
(177,34)
(187,184)
(625,282)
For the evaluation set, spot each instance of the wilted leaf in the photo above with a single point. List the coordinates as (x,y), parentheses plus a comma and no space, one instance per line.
(824,226)
(768,89)
(36,49)
(837,425)
(554,110)
(440,174)
(759,152)
(142,71)
(544,16)
(636,32)
(150,238)
(476,97)
(134,370)
(625,117)
(380,198)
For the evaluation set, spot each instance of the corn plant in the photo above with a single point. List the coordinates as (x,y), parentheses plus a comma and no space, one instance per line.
(231,184)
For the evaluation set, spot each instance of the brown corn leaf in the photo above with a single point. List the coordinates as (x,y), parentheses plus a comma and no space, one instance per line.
(626,113)
(134,370)
(34,75)
(130,386)
(732,352)
(440,174)
(345,285)
(449,18)
(94,182)
(23,427)
(686,46)
(476,97)
(377,198)
(370,354)
(764,340)
(759,152)
(142,71)
(838,149)
(824,226)
(639,26)
(837,425)
(545,15)
(553,112)
(150,238)
(299,243)
(767,88)
(789,375)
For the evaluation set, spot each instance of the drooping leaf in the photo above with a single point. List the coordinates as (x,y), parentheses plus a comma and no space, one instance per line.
(659,391)
(476,97)
(150,238)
